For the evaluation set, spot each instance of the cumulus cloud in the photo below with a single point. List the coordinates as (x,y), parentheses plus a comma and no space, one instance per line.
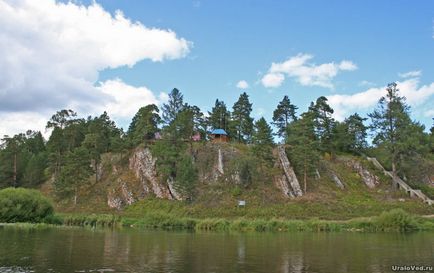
(411,74)
(242,84)
(272,80)
(52,54)
(14,123)
(410,88)
(126,100)
(304,72)
(429,113)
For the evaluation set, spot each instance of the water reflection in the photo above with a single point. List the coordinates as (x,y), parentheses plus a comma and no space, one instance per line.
(80,250)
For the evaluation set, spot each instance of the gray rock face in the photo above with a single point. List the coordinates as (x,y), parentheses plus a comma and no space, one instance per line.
(337,181)
(173,192)
(128,195)
(282,184)
(368,178)
(289,171)
(114,201)
(142,163)
(220,162)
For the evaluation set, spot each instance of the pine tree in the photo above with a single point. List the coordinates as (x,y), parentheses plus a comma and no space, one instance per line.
(144,125)
(241,120)
(186,177)
(263,141)
(283,115)
(350,136)
(62,119)
(34,173)
(219,116)
(303,150)
(200,124)
(324,123)
(100,132)
(390,122)
(74,174)
(13,158)
(173,107)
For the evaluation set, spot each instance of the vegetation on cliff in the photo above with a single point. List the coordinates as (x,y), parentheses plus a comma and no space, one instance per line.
(88,164)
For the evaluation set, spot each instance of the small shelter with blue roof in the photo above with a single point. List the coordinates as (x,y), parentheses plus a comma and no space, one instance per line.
(219,135)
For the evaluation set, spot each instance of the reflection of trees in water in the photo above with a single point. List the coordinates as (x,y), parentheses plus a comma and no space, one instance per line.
(68,250)
(291,263)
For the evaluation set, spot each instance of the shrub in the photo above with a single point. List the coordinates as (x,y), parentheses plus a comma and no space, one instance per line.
(396,219)
(25,205)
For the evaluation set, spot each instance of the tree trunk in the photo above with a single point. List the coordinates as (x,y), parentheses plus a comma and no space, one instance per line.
(96,172)
(395,185)
(15,170)
(75,197)
(305,177)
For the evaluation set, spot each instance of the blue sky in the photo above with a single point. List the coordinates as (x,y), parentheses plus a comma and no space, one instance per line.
(345,51)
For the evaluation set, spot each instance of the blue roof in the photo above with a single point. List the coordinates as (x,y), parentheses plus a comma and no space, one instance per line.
(218,132)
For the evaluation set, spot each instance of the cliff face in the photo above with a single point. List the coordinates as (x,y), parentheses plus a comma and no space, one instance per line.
(226,173)
(143,164)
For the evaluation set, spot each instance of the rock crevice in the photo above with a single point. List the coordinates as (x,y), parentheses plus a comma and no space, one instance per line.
(289,174)
(143,164)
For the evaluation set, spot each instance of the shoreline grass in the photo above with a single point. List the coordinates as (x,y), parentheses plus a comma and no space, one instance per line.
(396,220)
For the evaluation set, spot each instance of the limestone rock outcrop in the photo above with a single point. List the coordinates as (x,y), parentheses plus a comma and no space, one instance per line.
(143,164)
(290,176)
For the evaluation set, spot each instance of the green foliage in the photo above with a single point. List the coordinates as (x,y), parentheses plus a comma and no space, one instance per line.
(92,220)
(350,136)
(390,122)
(186,177)
(172,161)
(246,167)
(396,220)
(263,141)
(144,125)
(283,115)
(171,109)
(24,205)
(22,160)
(323,123)
(34,173)
(242,123)
(303,143)
(219,117)
(74,174)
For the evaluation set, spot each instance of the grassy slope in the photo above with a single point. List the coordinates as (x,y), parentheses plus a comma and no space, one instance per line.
(264,201)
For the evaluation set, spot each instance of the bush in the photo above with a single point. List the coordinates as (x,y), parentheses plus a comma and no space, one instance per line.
(397,220)
(25,205)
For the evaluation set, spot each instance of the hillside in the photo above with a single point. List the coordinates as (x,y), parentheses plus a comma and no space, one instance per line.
(343,187)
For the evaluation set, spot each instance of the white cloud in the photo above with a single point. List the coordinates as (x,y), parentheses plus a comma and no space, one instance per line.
(127,99)
(429,113)
(14,123)
(411,74)
(307,74)
(52,54)
(242,84)
(346,104)
(272,80)
(366,83)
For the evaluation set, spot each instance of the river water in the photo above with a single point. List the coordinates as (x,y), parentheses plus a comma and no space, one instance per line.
(129,250)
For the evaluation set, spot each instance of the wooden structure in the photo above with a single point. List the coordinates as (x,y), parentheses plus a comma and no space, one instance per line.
(219,135)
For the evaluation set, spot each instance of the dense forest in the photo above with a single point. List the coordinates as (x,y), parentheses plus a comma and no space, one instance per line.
(73,151)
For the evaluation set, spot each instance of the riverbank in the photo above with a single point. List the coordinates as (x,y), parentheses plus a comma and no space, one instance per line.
(394,220)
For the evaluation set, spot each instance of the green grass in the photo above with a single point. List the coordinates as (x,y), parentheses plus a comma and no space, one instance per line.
(396,220)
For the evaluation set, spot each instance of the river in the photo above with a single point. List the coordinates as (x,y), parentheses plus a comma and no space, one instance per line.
(129,250)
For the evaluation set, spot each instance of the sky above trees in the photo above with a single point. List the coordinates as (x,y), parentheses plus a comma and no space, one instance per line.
(118,56)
